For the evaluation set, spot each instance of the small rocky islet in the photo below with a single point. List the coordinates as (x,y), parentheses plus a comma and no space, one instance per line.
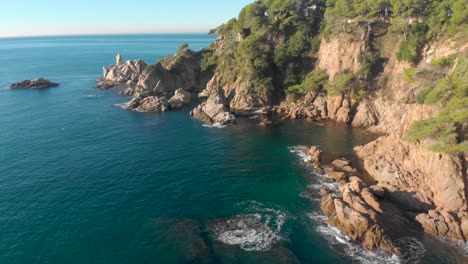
(35,84)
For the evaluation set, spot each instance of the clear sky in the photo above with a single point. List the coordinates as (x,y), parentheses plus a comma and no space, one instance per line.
(62,17)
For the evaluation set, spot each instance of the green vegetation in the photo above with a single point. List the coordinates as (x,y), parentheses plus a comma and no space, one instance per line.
(312,82)
(409,74)
(449,128)
(421,97)
(346,82)
(270,44)
(443,62)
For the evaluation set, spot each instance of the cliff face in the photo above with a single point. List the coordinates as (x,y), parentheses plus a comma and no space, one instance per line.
(430,186)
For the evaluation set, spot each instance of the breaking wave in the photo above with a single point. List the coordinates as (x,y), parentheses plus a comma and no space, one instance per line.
(256,230)
(414,249)
(214,125)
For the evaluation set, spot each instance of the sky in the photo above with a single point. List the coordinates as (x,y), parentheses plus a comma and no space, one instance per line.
(77,17)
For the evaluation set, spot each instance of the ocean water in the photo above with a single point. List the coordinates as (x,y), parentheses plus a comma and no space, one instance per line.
(83,181)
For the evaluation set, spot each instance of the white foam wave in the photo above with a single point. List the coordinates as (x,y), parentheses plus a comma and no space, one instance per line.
(299,150)
(215,125)
(256,230)
(249,232)
(462,246)
(342,243)
(413,249)
(90,96)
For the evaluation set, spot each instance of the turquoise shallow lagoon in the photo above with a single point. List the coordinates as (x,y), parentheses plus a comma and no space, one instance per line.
(83,181)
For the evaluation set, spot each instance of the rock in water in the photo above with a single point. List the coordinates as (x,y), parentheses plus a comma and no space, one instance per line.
(148,104)
(38,83)
(214,110)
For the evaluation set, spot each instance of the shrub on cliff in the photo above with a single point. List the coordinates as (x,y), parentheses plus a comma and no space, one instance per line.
(312,82)
(341,83)
(448,129)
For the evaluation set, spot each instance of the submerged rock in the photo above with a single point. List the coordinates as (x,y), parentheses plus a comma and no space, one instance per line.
(38,83)
(183,236)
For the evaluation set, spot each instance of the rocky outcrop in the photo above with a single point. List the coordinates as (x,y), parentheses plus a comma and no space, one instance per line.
(167,76)
(38,83)
(355,210)
(317,108)
(339,54)
(214,110)
(426,179)
(180,99)
(123,72)
(445,224)
(148,104)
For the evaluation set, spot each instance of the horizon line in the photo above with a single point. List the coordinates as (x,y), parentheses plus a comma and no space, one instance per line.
(107,34)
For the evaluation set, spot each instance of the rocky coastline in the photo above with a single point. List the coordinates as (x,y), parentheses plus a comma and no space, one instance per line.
(398,167)
(428,188)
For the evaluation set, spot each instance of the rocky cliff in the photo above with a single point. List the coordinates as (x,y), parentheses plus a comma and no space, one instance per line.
(385,70)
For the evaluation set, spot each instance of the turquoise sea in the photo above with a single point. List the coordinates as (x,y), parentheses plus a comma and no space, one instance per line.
(83,181)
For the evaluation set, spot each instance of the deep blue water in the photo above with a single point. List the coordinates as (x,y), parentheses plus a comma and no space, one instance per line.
(83,181)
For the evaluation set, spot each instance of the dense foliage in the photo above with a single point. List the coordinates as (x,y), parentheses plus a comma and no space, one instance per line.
(272,46)
(449,128)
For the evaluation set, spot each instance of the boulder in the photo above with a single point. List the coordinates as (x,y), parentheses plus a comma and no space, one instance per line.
(343,165)
(338,176)
(38,83)
(123,72)
(365,116)
(215,109)
(442,223)
(148,104)
(104,85)
(314,153)
(180,99)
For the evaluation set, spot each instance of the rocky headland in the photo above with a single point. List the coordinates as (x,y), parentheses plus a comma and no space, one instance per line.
(293,65)
(38,83)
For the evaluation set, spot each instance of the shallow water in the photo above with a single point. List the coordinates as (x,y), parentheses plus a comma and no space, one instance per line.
(83,181)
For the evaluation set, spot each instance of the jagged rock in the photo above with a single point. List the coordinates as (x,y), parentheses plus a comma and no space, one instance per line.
(343,114)
(365,116)
(148,104)
(343,165)
(338,176)
(180,71)
(314,153)
(333,105)
(414,176)
(441,223)
(359,227)
(104,85)
(378,191)
(320,103)
(129,71)
(215,109)
(38,83)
